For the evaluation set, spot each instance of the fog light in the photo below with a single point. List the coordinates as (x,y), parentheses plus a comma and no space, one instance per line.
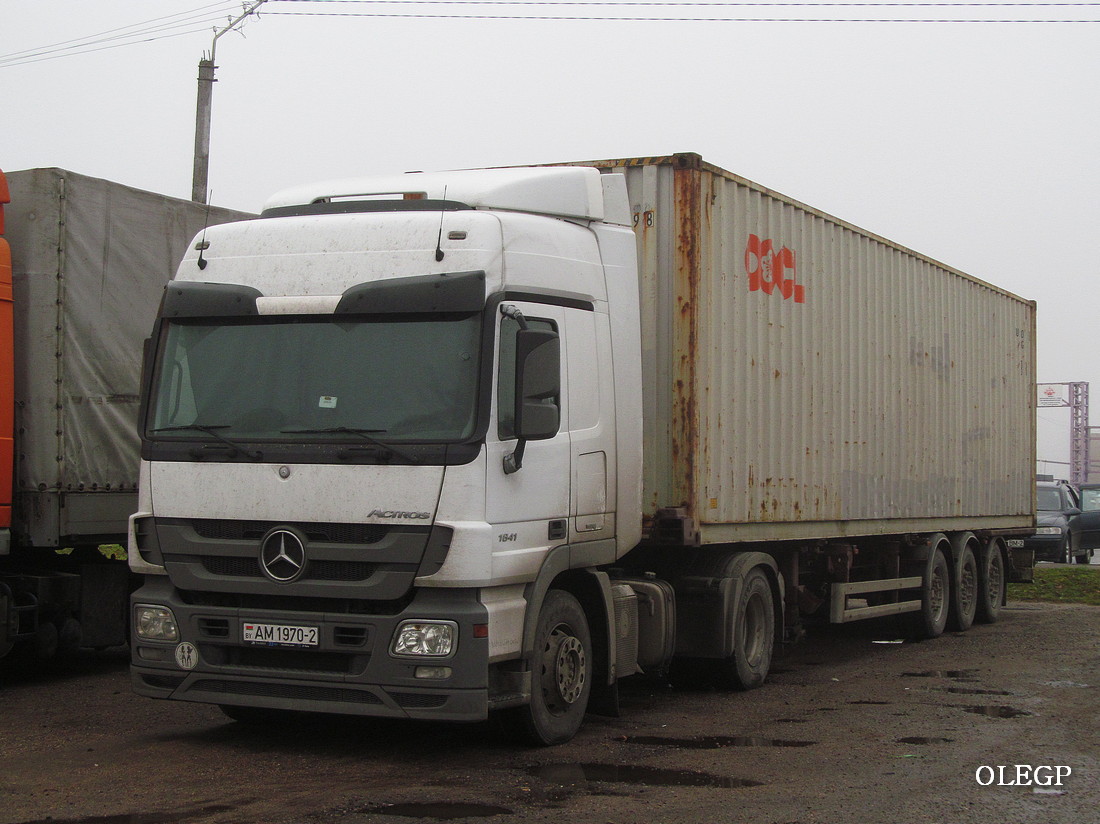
(431,638)
(155,623)
(432,672)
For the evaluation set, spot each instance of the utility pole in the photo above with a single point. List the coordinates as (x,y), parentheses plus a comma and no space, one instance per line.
(201,174)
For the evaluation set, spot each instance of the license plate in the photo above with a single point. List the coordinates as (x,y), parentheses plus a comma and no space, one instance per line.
(279,635)
(1015,543)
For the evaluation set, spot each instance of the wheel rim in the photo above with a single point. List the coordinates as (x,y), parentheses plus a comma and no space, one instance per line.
(564,667)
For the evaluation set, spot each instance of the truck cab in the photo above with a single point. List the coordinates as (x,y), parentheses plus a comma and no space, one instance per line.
(378,424)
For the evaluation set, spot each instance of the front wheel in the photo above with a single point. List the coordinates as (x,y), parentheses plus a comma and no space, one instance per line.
(562,677)
(753,635)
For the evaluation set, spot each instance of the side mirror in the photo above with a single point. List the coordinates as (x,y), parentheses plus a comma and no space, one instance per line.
(538,384)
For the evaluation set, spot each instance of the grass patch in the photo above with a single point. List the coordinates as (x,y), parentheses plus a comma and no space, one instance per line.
(1060,585)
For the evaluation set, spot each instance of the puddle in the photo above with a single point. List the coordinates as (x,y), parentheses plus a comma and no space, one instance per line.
(921,740)
(971,691)
(941,674)
(996,711)
(441,811)
(572,774)
(140,818)
(716,742)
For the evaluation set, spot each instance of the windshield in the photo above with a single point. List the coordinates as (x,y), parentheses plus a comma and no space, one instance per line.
(393,378)
(1049,500)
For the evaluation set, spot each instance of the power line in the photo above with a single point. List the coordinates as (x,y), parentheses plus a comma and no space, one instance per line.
(158,28)
(637,19)
(687,3)
(533,10)
(199,19)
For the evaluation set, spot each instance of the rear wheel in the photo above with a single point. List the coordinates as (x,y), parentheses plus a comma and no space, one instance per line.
(964,585)
(991,583)
(753,634)
(931,619)
(562,677)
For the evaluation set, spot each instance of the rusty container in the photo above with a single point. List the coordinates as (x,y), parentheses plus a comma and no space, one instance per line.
(807,379)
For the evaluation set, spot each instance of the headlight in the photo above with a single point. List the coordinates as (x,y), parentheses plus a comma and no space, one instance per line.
(1049,530)
(431,638)
(155,623)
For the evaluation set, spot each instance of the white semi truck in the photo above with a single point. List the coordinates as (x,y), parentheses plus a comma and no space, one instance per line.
(440,445)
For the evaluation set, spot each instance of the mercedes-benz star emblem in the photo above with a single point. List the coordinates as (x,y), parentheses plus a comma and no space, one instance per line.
(282,556)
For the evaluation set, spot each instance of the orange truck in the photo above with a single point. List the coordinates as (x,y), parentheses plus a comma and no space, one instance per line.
(83,264)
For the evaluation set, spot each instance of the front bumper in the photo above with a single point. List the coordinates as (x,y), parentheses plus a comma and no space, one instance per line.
(1046,547)
(349,671)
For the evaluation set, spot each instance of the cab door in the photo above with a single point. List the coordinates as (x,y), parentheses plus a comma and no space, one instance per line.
(527,509)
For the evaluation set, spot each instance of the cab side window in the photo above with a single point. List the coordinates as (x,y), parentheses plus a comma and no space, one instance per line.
(506,372)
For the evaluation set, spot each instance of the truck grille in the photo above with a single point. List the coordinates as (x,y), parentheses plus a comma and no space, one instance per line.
(231,530)
(316,571)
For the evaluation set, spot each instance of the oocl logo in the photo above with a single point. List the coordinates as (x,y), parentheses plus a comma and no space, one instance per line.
(772,269)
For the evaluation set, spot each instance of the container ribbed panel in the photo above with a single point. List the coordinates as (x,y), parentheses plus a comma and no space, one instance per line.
(808,379)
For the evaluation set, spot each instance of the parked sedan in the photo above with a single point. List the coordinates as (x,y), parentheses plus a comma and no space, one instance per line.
(1065,532)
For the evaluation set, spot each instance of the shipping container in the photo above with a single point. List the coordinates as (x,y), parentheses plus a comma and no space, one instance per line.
(807,379)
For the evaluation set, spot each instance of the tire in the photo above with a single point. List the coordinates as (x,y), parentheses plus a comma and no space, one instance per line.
(991,583)
(931,619)
(964,585)
(1066,552)
(562,676)
(753,635)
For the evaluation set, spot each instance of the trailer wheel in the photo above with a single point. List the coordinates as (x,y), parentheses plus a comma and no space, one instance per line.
(991,583)
(562,677)
(964,587)
(931,619)
(753,634)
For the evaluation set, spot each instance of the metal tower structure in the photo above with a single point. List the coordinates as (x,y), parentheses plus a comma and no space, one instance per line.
(1079,432)
(1077,399)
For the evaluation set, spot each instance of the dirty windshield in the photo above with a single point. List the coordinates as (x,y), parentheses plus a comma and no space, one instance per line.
(295,378)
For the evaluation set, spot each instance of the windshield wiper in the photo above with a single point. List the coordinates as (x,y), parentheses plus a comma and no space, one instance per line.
(366,434)
(212,431)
